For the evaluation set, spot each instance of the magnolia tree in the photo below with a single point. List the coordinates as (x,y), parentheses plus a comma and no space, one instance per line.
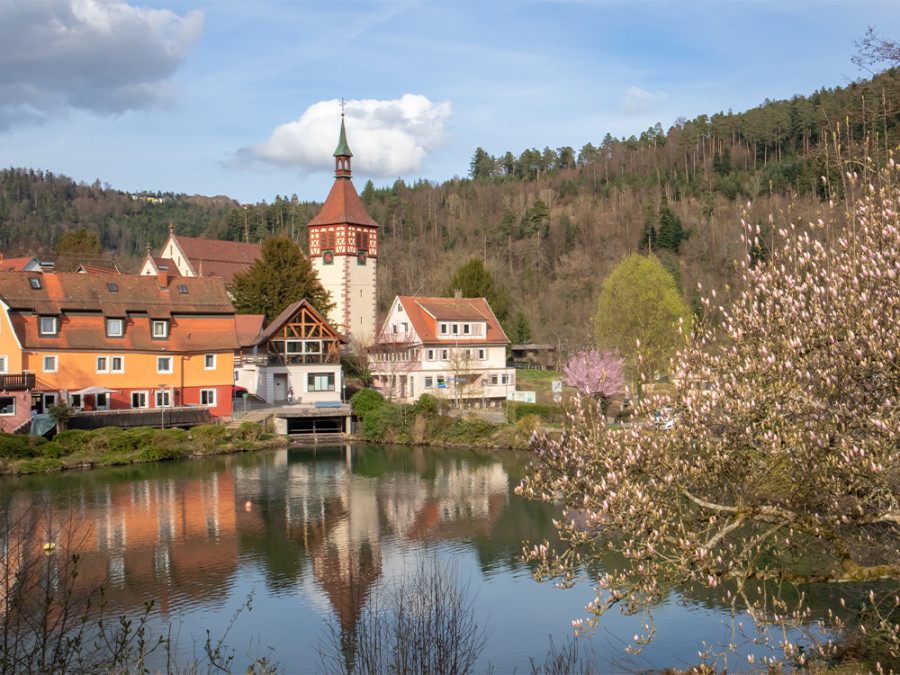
(784,467)
(595,374)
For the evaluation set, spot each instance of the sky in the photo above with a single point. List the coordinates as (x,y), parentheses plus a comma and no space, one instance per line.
(243,97)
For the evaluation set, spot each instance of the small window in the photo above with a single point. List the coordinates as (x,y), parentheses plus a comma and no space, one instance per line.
(139,399)
(48,325)
(399,307)
(115,327)
(394,329)
(182,289)
(4,362)
(493,379)
(51,364)
(112,286)
(445,354)
(441,382)
(102,364)
(117,364)
(163,364)
(160,329)
(162,399)
(456,329)
(7,406)
(443,329)
(465,329)
(429,354)
(504,379)
(429,381)
(102,401)
(482,354)
(209,361)
(208,397)
(405,327)
(76,401)
(35,283)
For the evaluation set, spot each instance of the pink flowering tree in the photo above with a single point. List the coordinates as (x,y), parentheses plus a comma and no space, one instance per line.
(595,374)
(784,467)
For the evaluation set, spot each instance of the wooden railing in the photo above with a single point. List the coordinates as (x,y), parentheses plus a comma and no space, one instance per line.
(17,381)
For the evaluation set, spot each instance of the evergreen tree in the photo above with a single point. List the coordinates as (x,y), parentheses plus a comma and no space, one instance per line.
(520,331)
(476,282)
(281,276)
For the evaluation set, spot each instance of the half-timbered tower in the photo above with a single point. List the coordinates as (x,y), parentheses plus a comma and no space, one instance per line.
(343,247)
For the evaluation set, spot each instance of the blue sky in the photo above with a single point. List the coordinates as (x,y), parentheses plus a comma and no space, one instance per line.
(241,97)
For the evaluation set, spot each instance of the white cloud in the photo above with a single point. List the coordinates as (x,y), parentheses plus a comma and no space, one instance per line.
(637,101)
(100,55)
(387,138)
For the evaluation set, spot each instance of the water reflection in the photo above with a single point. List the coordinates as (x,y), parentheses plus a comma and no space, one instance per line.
(316,534)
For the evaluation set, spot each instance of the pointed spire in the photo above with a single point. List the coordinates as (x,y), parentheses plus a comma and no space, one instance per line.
(342,153)
(343,150)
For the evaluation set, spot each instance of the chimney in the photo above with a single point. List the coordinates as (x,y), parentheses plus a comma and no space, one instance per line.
(457,293)
(163,277)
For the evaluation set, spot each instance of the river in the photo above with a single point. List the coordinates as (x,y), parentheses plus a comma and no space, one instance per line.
(314,534)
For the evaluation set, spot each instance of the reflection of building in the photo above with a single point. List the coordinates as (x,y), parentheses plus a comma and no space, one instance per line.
(162,539)
(448,347)
(344,521)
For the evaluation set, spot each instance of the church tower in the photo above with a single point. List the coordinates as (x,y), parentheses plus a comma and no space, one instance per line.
(343,247)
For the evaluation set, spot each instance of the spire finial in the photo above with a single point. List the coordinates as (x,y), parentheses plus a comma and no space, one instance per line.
(342,106)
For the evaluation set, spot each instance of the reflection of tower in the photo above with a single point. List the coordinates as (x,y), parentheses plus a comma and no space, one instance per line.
(343,247)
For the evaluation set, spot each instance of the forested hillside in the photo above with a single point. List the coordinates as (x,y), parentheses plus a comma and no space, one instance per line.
(548,224)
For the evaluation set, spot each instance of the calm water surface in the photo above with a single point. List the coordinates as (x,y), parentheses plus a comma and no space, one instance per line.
(315,534)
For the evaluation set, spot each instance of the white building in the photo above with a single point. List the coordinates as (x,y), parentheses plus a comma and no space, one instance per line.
(296,358)
(452,348)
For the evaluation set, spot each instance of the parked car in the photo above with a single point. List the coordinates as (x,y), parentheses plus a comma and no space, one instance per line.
(237,391)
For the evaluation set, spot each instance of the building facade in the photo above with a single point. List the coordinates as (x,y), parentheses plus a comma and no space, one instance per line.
(296,358)
(103,342)
(451,348)
(343,248)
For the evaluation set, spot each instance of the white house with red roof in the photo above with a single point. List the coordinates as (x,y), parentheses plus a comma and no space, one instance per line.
(452,348)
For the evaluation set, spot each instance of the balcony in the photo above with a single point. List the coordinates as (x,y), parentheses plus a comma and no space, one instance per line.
(17,381)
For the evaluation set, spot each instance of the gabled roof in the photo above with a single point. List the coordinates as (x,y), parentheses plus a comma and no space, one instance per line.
(289,312)
(249,326)
(214,258)
(425,313)
(92,269)
(20,264)
(202,316)
(343,205)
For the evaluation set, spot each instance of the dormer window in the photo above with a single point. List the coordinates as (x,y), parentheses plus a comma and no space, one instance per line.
(182,289)
(48,325)
(160,329)
(112,286)
(35,283)
(115,327)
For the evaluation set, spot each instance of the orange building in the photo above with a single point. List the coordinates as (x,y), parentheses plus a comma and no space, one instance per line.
(105,342)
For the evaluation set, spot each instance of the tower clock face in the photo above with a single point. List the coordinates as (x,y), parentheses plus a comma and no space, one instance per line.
(361,257)
(328,257)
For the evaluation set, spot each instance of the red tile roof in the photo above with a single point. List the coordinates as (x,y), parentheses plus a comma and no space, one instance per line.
(168,264)
(17,263)
(249,326)
(343,205)
(214,258)
(202,318)
(424,314)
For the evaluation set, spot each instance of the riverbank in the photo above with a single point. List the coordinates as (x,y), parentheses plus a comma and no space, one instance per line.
(80,449)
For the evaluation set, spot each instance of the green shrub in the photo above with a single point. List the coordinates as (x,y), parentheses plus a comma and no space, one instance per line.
(17,446)
(378,423)
(426,405)
(142,437)
(208,436)
(547,413)
(40,465)
(250,431)
(366,401)
(73,440)
(528,423)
